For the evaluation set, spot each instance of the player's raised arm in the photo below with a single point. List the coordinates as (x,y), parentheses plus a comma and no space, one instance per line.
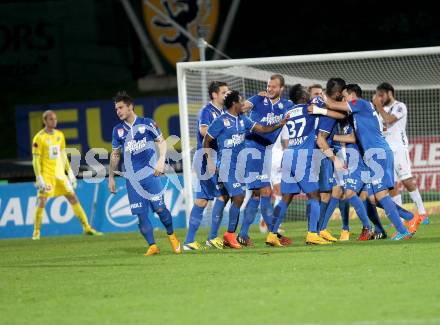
(334,105)
(387,117)
(345,138)
(315,110)
(248,104)
(256,127)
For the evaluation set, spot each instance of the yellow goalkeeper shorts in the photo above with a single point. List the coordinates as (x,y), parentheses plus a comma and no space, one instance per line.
(56,186)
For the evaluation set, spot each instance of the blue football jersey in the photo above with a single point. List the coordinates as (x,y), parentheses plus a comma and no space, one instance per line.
(137,142)
(328,125)
(265,113)
(207,114)
(367,125)
(301,127)
(229,131)
(344,127)
(317,101)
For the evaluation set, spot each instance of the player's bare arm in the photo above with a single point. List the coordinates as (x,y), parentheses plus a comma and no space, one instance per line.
(247,105)
(162,146)
(115,157)
(345,138)
(207,147)
(321,141)
(334,105)
(267,129)
(388,118)
(203,129)
(315,110)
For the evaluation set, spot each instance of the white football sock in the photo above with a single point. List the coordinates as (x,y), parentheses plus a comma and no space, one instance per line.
(417,198)
(397,199)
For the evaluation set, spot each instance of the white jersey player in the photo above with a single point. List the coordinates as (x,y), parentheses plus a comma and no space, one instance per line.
(277,156)
(394,117)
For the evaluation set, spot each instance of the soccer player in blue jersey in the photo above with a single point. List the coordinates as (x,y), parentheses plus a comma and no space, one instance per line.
(327,181)
(344,144)
(300,166)
(140,142)
(369,135)
(229,131)
(331,179)
(267,110)
(207,188)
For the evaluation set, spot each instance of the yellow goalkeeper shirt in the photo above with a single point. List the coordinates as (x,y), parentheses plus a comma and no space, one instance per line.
(49,146)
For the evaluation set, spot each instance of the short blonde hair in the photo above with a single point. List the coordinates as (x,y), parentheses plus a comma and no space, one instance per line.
(46,113)
(314,86)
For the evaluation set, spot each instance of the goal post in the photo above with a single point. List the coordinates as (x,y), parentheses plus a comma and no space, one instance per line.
(414,73)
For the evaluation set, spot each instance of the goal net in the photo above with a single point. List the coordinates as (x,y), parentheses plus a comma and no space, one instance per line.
(414,73)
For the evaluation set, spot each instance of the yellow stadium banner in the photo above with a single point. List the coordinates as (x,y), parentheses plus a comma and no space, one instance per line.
(194,15)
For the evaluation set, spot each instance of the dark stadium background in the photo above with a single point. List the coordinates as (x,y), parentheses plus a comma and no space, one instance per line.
(66,64)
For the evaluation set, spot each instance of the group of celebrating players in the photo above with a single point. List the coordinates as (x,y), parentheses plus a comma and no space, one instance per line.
(335,147)
(335,152)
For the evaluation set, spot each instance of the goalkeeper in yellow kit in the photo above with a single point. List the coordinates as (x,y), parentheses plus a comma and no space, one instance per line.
(50,164)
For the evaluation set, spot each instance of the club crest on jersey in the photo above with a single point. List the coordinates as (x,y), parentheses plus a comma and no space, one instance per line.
(265,101)
(242,123)
(280,105)
(120,132)
(226,123)
(142,129)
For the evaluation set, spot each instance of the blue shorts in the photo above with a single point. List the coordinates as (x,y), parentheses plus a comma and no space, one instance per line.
(208,189)
(259,169)
(303,174)
(146,193)
(326,179)
(353,179)
(381,172)
(233,186)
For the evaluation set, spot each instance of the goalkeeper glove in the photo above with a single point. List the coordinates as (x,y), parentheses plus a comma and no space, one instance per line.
(41,185)
(72,179)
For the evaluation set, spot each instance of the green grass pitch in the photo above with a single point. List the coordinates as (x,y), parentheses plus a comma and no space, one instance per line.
(86,280)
